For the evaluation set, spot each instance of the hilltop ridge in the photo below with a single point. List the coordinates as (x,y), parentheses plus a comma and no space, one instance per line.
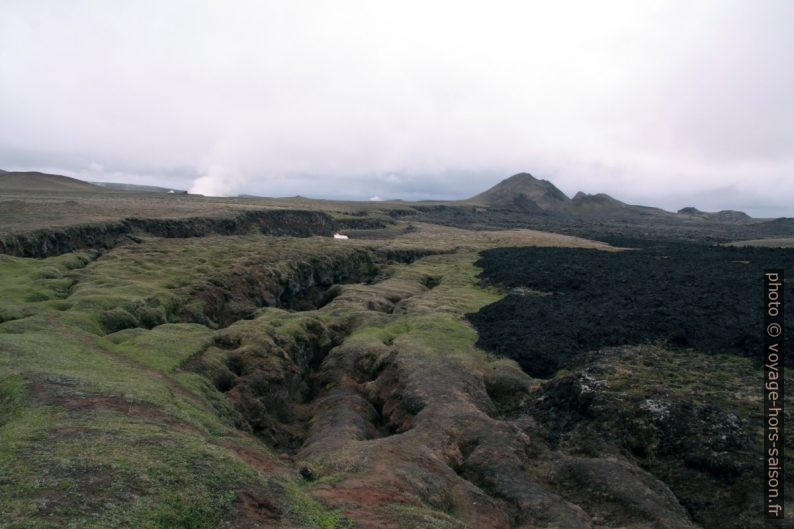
(524,191)
(43,182)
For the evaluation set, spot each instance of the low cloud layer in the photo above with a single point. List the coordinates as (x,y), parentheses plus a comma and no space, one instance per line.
(652,102)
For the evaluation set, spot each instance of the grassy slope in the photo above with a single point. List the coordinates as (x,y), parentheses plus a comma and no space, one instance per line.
(97,434)
(105,430)
(44,183)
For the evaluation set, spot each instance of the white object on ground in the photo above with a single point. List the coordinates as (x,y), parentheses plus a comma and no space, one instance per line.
(340,236)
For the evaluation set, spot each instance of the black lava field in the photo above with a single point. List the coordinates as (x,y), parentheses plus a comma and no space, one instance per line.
(709,298)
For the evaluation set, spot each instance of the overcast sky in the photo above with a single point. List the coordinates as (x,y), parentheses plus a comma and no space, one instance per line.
(662,103)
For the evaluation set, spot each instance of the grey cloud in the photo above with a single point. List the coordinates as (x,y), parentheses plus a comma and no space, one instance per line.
(405,100)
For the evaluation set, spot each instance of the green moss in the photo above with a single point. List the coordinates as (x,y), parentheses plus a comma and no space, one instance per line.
(26,283)
(202,510)
(97,462)
(12,393)
(164,347)
(312,512)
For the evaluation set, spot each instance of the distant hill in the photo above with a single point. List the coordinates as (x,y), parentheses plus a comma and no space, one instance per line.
(605,205)
(135,188)
(586,203)
(52,183)
(726,215)
(43,182)
(525,192)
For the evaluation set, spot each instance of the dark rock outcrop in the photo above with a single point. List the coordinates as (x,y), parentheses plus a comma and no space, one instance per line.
(56,241)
